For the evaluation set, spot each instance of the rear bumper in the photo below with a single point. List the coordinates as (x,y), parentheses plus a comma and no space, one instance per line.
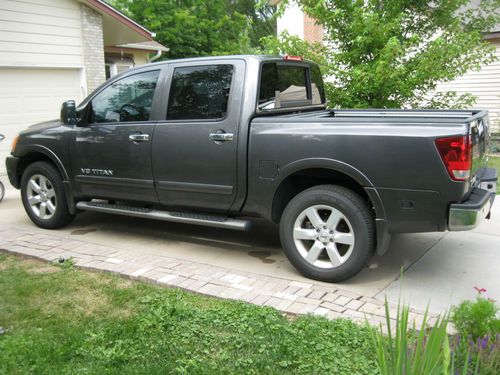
(11,162)
(470,213)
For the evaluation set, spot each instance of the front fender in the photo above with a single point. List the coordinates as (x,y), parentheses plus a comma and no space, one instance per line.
(25,150)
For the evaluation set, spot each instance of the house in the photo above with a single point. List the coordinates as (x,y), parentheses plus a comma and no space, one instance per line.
(484,84)
(56,50)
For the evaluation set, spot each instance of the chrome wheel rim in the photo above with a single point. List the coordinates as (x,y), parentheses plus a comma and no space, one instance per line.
(323,236)
(41,197)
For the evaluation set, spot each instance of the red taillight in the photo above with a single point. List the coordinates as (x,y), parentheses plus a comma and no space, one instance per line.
(456,153)
(293,58)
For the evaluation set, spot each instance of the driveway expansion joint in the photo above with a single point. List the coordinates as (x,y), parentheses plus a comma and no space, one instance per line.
(288,296)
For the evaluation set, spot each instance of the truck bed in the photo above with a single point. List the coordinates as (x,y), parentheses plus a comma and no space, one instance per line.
(392,152)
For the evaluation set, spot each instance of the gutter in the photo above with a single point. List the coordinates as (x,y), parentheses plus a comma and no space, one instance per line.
(156,56)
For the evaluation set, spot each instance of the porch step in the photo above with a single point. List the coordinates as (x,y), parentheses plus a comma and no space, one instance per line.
(209,220)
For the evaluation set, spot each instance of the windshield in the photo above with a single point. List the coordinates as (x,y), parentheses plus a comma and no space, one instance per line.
(287,85)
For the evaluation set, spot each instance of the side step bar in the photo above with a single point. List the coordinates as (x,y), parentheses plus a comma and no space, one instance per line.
(178,217)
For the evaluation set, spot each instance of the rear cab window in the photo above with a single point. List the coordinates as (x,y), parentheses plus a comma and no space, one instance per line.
(290,85)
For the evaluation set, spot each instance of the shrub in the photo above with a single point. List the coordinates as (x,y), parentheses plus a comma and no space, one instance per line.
(477,343)
(476,319)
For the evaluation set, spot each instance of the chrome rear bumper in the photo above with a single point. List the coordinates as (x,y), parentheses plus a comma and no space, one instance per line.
(470,213)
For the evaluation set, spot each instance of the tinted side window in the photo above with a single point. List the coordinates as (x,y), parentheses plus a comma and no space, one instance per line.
(126,100)
(199,92)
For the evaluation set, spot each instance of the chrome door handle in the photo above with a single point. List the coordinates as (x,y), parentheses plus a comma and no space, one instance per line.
(138,137)
(221,137)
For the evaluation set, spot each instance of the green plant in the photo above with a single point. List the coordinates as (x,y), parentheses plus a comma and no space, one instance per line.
(65,263)
(76,322)
(200,28)
(411,352)
(495,145)
(392,54)
(477,342)
(476,319)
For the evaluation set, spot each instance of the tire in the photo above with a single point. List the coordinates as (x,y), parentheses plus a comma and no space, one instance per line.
(2,191)
(328,233)
(43,197)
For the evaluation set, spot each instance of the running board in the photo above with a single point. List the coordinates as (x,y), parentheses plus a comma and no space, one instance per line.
(208,220)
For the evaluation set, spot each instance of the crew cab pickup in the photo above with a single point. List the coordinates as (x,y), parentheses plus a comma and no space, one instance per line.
(216,141)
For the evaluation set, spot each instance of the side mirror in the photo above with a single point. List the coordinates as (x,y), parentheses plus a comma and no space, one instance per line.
(68,113)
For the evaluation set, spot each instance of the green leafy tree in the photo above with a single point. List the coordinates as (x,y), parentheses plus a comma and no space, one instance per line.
(392,54)
(192,27)
(261,15)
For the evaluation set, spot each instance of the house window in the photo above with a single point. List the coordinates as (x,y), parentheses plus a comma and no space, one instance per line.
(115,63)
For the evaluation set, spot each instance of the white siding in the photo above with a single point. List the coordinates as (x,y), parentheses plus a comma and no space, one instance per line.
(40,33)
(485,85)
(292,21)
(28,96)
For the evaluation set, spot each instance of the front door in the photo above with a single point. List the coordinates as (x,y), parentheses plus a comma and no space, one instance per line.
(111,153)
(195,147)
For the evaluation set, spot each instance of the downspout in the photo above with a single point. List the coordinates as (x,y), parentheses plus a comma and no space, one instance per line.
(155,57)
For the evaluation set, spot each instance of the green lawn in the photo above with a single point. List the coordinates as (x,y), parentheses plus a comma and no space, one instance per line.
(494,162)
(67,321)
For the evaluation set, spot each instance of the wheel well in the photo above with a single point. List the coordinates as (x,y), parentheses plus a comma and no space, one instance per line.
(30,159)
(304,179)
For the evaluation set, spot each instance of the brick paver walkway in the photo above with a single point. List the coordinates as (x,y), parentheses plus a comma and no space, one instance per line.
(286,295)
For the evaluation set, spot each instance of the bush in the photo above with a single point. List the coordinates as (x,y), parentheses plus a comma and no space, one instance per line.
(476,319)
(477,343)
(475,349)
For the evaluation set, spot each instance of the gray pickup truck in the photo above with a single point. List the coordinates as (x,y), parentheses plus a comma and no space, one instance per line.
(216,141)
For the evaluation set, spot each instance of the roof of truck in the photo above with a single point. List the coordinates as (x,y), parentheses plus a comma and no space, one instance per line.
(226,57)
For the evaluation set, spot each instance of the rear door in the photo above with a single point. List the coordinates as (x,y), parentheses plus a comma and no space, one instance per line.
(194,153)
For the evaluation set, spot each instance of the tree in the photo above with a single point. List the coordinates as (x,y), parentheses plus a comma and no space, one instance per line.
(192,27)
(392,54)
(261,15)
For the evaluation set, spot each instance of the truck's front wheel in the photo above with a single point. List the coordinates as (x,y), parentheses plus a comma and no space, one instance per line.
(43,197)
(327,233)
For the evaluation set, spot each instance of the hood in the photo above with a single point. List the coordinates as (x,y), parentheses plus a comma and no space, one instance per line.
(42,126)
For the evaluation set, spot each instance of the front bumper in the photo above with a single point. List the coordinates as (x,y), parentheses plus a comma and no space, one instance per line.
(470,213)
(11,163)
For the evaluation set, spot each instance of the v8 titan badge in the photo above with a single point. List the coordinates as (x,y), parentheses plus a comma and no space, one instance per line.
(97,172)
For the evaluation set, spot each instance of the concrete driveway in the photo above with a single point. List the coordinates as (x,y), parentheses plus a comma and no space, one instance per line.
(440,268)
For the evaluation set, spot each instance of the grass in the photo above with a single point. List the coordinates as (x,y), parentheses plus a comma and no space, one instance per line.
(494,162)
(67,321)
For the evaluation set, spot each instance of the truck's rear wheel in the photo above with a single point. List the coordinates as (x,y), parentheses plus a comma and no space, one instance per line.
(327,233)
(43,197)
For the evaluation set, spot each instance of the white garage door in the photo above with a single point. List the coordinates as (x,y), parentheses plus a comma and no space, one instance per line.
(28,96)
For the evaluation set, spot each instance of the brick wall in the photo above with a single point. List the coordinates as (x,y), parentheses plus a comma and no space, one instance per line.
(93,47)
(312,31)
